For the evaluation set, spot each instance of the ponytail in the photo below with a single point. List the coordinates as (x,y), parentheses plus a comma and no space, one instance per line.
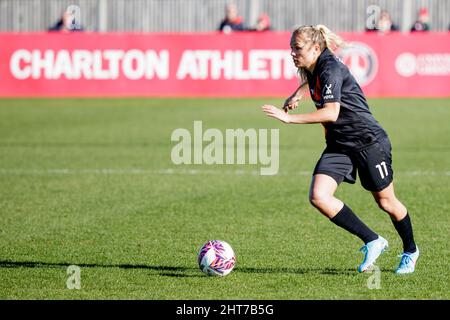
(332,40)
(322,36)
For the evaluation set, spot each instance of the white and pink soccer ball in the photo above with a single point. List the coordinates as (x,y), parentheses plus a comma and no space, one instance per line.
(217,258)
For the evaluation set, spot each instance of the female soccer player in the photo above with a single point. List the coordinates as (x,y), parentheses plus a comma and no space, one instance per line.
(355,143)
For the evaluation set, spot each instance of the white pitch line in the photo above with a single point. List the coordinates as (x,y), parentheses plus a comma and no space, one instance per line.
(179,171)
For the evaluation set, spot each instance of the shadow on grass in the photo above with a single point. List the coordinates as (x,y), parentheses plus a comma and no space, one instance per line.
(178,271)
(164,270)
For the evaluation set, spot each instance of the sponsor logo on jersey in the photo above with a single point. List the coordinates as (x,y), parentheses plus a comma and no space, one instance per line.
(328,92)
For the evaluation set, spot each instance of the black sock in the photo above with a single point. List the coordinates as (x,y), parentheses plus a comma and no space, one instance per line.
(349,221)
(404,229)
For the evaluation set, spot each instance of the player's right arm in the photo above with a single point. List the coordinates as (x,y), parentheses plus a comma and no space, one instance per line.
(292,101)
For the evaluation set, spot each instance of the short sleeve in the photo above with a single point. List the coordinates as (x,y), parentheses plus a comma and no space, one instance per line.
(331,81)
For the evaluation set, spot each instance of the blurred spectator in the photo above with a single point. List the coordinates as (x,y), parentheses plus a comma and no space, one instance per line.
(263,23)
(231,22)
(67,23)
(385,23)
(423,21)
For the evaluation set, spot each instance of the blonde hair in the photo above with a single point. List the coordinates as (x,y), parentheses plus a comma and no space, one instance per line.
(320,35)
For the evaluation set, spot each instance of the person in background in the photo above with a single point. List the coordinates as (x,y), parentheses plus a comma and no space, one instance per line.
(232,21)
(423,21)
(67,23)
(263,23)
(384,24)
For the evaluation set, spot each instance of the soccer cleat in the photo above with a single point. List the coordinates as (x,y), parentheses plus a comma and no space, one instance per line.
(408,262)
(372,251)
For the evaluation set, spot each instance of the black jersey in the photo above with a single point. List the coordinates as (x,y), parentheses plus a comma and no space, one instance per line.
(355,127)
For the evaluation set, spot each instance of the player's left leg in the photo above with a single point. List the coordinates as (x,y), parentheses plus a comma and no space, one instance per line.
(330,171)
(389,203)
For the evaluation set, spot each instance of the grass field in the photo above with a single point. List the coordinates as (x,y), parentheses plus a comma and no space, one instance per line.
(90,182)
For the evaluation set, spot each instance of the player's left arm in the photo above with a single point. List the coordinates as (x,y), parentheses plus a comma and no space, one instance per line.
(293,100)
(331,83)
(329,113)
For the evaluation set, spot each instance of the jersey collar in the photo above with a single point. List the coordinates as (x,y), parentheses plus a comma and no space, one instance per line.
(323,56)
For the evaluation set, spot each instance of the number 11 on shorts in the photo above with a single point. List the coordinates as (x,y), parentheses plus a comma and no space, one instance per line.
(380,168)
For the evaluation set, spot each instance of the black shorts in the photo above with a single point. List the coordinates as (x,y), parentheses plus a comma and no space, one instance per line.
(374,166)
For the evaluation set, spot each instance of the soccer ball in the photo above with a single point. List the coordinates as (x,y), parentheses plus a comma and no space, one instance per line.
(216,258)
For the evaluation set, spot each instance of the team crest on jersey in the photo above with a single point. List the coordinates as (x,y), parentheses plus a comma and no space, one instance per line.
(361,60)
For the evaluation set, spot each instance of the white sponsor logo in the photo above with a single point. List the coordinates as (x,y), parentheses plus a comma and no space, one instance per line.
(230,65)
(97,64)
(425,64)
(328,87)
(135,64)
(405,64)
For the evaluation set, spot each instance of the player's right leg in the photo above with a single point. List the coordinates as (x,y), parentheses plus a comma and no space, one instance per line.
(321,195)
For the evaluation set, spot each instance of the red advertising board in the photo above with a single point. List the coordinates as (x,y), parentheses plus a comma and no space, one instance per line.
(210,64)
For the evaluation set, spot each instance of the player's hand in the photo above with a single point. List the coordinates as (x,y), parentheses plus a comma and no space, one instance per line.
(291,103)
(276,113)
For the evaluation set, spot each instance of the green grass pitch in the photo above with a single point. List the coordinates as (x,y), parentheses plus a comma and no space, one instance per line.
(90,182)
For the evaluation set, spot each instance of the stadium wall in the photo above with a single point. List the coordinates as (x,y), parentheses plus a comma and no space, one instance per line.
(210,64)
(205,15)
